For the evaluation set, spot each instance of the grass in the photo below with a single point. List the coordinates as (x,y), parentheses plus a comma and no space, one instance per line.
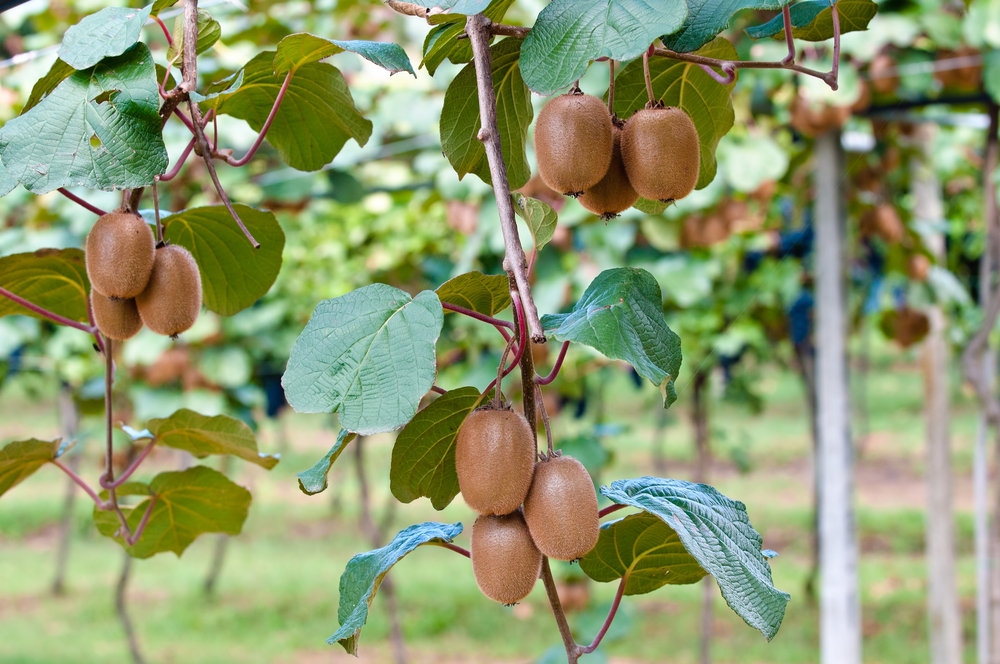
(277,597)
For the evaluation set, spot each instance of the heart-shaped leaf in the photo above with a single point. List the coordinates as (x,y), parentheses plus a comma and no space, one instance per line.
(484,294)
(202,435)
(54,279)
(302,48)
(107,33)
(812,20)
(18,460)
(368,355)
(313,480)
(707,18)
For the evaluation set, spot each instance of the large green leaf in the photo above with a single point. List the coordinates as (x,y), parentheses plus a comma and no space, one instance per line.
(209,32)
(644,547)
(812,20)
(423,458)
(187,503)
(621,315)
(315,119)
(7,181)
(46,84)
(368,355)
(981,24)
(442,42)
(18,460)
(313,480)
(302,48)
(484,294)
(686,86)
(365,571)
(54,279)
(234,275)
(460,122)
(100,126)
(202,435)
(539,216)
(717,532)
(707,18)
(568,34)
(108,33)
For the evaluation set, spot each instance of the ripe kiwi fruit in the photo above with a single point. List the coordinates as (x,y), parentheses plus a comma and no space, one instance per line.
(561,509)
(172,300)
(882,74)
(505,560)
(495,459)
(661,151)
(574,140)
(119,255)
(614,193)
(116,319)
(918,267)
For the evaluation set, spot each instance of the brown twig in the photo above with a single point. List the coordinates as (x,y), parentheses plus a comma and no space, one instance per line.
(649,79)
(572,649)
(611,89)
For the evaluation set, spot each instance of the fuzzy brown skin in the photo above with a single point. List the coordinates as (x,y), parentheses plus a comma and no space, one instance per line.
(660,148)
(172,300)
(614,193)
(573,143)
(120,250)
(116,319)
(505,560)
(561,509)
(918,267)
(495,460)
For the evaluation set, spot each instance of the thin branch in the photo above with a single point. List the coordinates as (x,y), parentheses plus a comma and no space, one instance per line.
(267,125)
(452,547)
(109,472)
(98,339)
(609,509)
(131,469)
(438,390)
(607,621)
(829,77)
(479,29)
(835,70)
(786,16)
(82,203)
(134,537)
(170,103)
(555,369)
(649,80)
(166,177)
(611,103)
(83,485)
(572,650)
(62,320)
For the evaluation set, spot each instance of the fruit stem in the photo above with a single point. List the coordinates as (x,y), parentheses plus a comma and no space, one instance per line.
(82,203)
(156,211)
(267,125)
(545,419)
(611,616)
(649,80)
(479,29)
(48,314)
(786,16)
(555,370)
(572,650)
(611,87)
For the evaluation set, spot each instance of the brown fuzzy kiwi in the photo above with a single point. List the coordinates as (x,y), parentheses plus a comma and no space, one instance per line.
(614,193)
(495,459)
(882,73)
(662,153)
(172,300)
(119,255)
(968,77)
(116,319)
(505,560)
(573,143)
(918,267)
(561,509)
(888,225)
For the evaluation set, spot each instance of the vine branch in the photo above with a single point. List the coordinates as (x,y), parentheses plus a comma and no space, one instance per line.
(572,650)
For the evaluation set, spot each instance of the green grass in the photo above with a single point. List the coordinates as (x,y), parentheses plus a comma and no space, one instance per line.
(277,597)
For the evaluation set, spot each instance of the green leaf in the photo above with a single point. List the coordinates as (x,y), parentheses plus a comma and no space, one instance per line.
(302,48)
(202,435)
(644,547)
(707,18)
(812,20)
(423,458)
(368,355)
(365,572)
(315,119)
(7,181)
(54,279)
(621,315)
(237,81)
(442,42)
(160,5)
(539,216)
(650,207)
(313,480)
(686,86)
(460,122)
(487,295)
(18,460)
(186,504)
(717,532)
(107,33)
(102,130)
(568,34)
(991,76)
(234,275)
(981,24)
(209,32)
(58,72)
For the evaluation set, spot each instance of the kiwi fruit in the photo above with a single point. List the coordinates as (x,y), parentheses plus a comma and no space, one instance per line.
(574,140)
(906,326)
(119,255)
(116,319)
(505,560)
(968,77)
(614,193)
(882,74)
(561,509)
(918,267)
(661,151)
(172,300)
(495,459)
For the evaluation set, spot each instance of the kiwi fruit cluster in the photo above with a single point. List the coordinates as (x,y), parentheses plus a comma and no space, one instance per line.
(526,508)
(585,152)
(815,120)
(134,282)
